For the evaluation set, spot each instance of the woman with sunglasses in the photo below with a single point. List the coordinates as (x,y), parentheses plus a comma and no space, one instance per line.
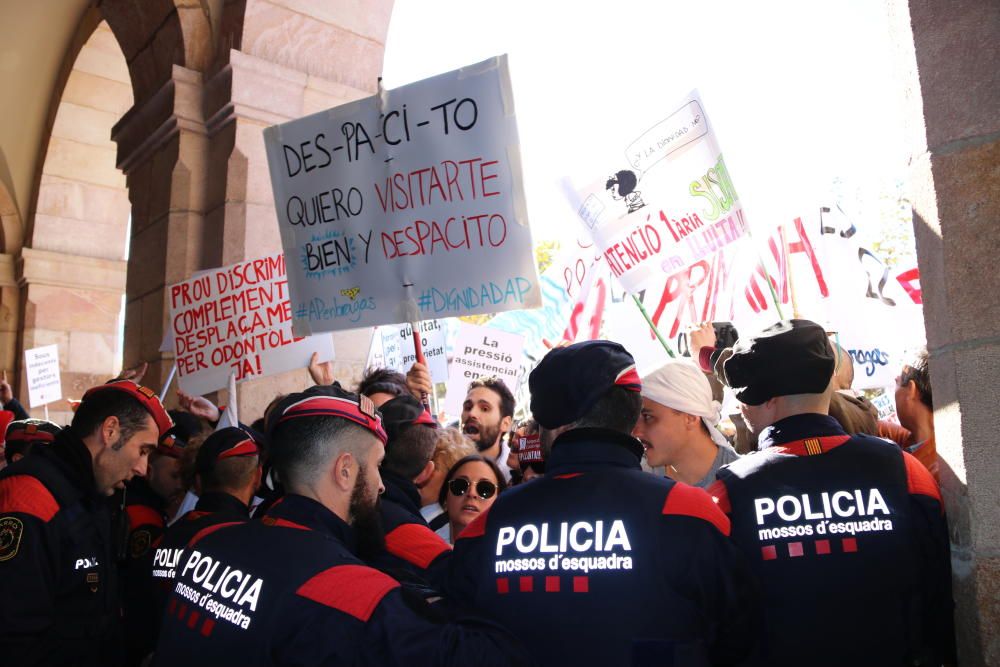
(470,488)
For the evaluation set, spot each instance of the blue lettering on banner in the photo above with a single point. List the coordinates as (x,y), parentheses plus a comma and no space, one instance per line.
(433,300)
(328,254)
(317,309)
(870,358)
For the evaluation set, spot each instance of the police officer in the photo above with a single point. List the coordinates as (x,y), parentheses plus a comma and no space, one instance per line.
(24,434)
(58,594)
(288,589)
(227,471)
(410,545)
(597,562)
(846,533)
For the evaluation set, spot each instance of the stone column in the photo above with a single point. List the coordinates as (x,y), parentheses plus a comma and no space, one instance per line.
(947,53)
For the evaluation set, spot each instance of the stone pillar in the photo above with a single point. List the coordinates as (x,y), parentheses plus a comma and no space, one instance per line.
(163,150)
(947,53)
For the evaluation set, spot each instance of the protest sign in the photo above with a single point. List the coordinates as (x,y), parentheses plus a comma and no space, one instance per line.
(237,318)
(392,347)
(482,352)
(41,366)
(672,228)
(406,205)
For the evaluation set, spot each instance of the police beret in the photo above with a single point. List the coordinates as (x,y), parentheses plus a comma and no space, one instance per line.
(186,424)
(327,401)
(790,357)
(146,397)
(569,380)
(32,430)
(399,413)
(225,443)
(172,444)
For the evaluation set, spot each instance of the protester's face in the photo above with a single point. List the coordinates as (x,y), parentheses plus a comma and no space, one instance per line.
(481,419)
(662,431)
(463,509)
(119,460)
(902,398)
(165,478)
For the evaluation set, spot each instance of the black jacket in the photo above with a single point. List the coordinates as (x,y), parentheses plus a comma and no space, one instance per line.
(58,581)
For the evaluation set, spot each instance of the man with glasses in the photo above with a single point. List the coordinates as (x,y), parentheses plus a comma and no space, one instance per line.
(599,563)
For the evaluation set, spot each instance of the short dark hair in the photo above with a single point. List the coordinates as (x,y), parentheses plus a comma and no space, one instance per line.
(618,409)
(501,480)
(408,453)
(301,447)
(499,387)
(230,474)
(919,371)
(382,381)
(132,416)
(625,180)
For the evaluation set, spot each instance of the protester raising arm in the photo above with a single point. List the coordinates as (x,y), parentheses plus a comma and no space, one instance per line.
(8,402)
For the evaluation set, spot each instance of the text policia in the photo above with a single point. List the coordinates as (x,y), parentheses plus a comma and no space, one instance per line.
(471,179)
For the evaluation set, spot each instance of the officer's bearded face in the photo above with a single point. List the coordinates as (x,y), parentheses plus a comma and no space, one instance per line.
(364,516)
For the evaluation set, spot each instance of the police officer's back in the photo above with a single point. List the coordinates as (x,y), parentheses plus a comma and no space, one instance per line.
(846,534)
(288,589)
(598,562)
(58,594)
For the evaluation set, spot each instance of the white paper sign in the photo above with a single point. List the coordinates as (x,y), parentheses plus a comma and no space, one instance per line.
(482,352)
(406,205)
(392,347)
(237,318)
(42,371)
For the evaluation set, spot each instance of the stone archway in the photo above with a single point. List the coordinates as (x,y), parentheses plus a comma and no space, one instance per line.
(72,267)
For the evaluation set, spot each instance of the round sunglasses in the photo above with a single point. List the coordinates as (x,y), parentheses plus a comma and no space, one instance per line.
(484,488)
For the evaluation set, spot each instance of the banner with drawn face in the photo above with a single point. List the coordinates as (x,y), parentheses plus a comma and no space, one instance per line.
(405,206)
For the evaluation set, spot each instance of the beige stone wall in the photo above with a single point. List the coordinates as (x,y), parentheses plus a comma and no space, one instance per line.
(947,56)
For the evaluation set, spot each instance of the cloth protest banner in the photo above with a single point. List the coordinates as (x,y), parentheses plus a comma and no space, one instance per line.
(392,347)
(482,352)
(407,205)
(237,319)
(671,226)
(41,368)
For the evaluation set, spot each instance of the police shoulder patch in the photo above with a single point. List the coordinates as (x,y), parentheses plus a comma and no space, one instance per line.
(11,529)
(139,543)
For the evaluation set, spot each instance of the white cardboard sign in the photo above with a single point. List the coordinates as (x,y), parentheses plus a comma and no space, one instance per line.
(392,347)
(405,206)
(482,352)
(42,371)
(237,318)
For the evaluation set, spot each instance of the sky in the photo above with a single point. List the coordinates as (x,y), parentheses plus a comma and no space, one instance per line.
(800,93)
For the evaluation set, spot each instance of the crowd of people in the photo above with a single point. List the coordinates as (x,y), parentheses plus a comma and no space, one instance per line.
(625,521)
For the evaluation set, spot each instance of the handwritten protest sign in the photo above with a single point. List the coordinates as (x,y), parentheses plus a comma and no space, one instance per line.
(237,318)
(392,347)
(482,352)
(41,366)
(406,205)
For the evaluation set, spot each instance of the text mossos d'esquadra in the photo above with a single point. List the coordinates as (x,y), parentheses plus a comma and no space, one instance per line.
(836,513)
(581,546)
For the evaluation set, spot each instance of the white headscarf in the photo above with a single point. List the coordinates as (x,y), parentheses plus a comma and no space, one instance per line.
(681,385)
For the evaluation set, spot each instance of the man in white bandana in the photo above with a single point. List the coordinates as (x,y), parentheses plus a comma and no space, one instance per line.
(677,426)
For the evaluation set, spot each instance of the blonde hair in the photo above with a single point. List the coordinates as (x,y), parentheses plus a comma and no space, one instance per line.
(451,446)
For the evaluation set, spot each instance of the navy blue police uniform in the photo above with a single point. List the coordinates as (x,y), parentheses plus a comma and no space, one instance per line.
(598,562)
(289,589)
(412,549)
(59,598)
(847,535)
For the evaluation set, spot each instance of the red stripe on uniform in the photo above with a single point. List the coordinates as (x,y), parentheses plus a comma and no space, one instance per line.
(282,523)
(826,443)
(205,532)
(27,495)
(143,515)
(352,589)
(477,528)
(720,494)
(415,544)
(918,480)
(569,475)
(684,500)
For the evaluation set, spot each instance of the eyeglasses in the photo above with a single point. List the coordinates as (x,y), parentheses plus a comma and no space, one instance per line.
(484,488)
